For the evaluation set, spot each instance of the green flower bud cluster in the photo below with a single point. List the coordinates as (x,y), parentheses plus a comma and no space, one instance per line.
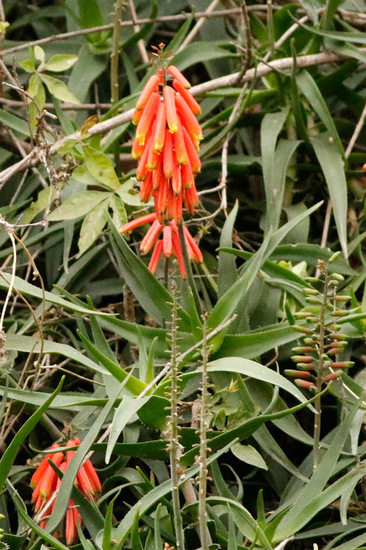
(317,359)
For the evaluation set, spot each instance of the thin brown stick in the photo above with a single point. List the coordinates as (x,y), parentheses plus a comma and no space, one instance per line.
(115,51)
(355,18)
(229,80)
(356,133)
(65,106)
(198,25)
(136,28)
(144,21)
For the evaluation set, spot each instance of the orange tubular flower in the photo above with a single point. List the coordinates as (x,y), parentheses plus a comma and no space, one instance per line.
(190,199)
(155,257)
(137,150)
(150,238)
(46,485)
(171,113)
(161,199)
(194,159)
(141,171)
(152,159)
(178,208)
(48,480)
(196,253)
(168,245)
(147,118)
(158,173)
(176,180)
(178,252)
(188,119)
(72,517)
(180,148)
(146,189)
(137,222)
(150,87)
(175,73)
(159,134)
(42,468)
(167,241)
(187,175)
(188,97)
(136,117)
(169,155)
(166,143)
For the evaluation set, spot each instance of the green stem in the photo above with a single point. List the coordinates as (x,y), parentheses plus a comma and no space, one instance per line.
(188,267)
(114,71)
(204,426)
(174,447)
(115,51)
(319,378)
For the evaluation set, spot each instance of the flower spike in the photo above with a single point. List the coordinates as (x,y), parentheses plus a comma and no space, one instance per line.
(46,485)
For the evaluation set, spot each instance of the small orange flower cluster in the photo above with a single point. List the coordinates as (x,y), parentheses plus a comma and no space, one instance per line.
(45,484)
(166,143)
(168,244)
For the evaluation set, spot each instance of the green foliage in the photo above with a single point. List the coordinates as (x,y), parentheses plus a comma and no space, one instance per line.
(199,438)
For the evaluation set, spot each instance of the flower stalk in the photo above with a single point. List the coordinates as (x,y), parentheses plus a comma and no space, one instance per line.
(46,484)
(322,341)
(174,445)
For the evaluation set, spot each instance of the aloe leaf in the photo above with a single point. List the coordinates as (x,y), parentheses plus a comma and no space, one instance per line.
(312,93)
(12,450)
(227,269)
(311,497)
(333,168)
(153,497)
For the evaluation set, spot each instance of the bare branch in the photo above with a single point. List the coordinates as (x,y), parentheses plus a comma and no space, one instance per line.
(229,80)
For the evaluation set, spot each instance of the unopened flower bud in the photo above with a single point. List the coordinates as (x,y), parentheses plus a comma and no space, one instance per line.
(302,314)
(301,329)
(313,300)
(310,291)
(302,358)
(302,349)
(338,336)
(333,376)
(342,298)
(305,384)
(300,374)
(338,344)
(310,341)
(337,277)
(334,257)
(305,366)
(311,280)
(342,364)
(340,313)
(334,351)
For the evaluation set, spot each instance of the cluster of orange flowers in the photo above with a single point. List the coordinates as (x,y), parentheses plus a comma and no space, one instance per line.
(168,244)
(45,484)
(166,144)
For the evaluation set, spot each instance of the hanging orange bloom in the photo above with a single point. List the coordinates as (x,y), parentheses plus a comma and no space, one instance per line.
(167,136)
(46,484)
(150,87)
(188,97)
(166,143)
(175,73)
(168,245)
